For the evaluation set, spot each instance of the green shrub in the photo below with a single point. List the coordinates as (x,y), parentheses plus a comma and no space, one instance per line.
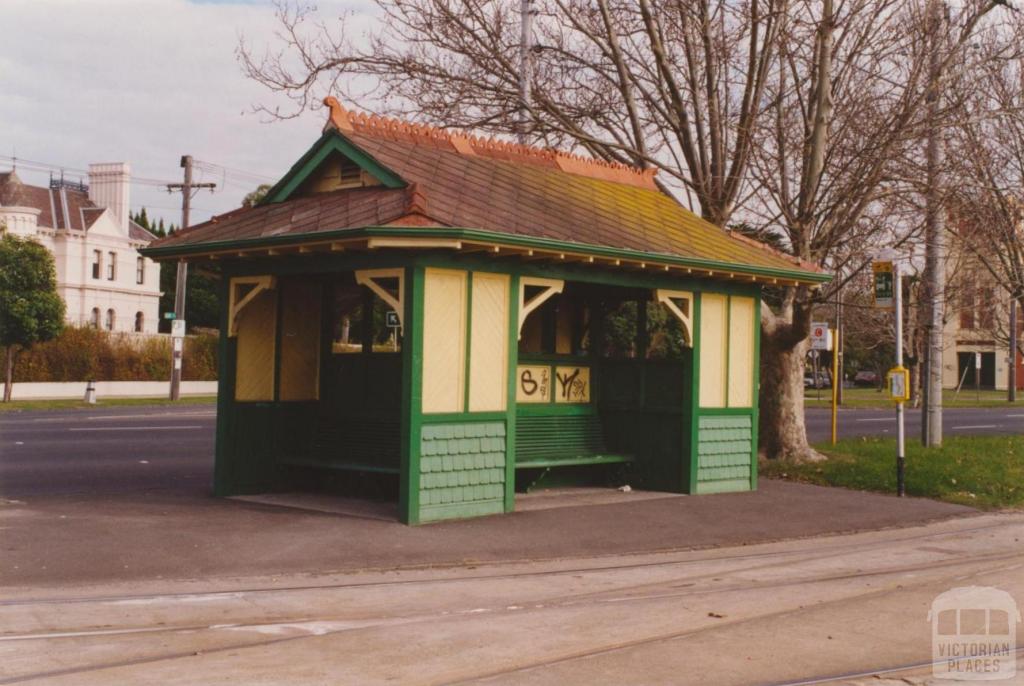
(84,353)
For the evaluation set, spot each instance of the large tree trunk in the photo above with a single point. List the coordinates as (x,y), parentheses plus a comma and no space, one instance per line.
(9,374)
(782,432)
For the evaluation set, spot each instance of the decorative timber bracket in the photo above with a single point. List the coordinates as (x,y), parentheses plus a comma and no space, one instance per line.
(679,303)
(551,287)
(370,277)
(243,291)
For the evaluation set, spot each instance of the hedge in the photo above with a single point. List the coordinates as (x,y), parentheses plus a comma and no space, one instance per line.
(85,353)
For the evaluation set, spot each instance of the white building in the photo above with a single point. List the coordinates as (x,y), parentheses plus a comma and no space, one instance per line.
(103,279)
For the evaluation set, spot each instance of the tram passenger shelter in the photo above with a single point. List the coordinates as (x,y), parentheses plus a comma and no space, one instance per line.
(421,315)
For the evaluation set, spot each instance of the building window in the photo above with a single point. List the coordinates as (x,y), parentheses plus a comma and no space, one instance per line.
(140,270)
(111,317)
(139,319)
(97,261)
(986,309)
(112,266)
(967,308)
(95,318)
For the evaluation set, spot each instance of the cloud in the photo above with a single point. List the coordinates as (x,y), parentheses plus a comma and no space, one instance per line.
(144,81)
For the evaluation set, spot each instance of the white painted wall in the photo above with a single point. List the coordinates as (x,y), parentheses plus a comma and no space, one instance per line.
(108,389)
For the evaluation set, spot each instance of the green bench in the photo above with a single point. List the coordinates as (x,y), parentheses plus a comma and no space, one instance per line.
(548,441)
(367,444)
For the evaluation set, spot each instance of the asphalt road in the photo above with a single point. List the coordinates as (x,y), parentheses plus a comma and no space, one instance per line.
(170,449)
(955,421)
(109,451)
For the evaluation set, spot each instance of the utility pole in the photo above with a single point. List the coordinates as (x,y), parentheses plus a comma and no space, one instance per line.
(525,66)
(901,488)
(1011,387)
(837,349)
(178,341)
(934,236)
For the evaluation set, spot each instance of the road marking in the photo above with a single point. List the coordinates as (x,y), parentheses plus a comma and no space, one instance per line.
(137,428)
(876,419)
(978,426)
(1014,416)
(150,414)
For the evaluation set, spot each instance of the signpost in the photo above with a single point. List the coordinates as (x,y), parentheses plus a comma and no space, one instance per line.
(177,348)
(821,339)
(888,294)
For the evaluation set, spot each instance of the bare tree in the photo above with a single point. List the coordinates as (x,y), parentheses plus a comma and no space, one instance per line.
(792,110)
(672,84)
(988,144)
(847,101)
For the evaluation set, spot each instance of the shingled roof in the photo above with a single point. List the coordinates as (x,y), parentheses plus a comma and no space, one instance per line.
(448,184)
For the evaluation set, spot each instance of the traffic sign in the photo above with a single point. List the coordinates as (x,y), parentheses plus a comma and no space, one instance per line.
(821,336)
(391,319)
(883,290)
(169,315)
(178,328)
(899,384)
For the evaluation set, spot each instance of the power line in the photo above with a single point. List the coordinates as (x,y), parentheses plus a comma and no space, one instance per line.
(229,171)
(34,165)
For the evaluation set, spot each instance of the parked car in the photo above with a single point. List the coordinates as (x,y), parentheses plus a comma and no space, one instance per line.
(823,380)
(865,377)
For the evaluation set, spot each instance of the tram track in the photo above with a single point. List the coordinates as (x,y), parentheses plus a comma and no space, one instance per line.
(604,649)
(638,593)
(838,548)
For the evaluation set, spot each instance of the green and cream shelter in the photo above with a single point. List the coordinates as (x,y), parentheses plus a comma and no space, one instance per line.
(440,320)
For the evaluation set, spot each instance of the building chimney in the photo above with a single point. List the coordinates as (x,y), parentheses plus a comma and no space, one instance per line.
(109,185)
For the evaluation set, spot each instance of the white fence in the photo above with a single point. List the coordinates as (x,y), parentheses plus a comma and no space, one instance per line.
(107,389)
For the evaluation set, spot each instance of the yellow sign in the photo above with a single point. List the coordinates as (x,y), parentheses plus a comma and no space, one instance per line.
(533,384)
(572,384)
(898,379)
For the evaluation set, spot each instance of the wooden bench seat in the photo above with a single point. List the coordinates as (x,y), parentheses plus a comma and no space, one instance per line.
(352,444)
(312,463)
(544,442)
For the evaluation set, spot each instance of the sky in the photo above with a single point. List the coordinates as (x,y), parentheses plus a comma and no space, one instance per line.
(144,82)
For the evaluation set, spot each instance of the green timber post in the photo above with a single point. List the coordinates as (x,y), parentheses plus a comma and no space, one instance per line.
(755,402)
(510,405)
(412,397)
(225,393)
(691,487)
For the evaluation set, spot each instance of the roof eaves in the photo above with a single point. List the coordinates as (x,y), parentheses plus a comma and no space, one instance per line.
(708,265)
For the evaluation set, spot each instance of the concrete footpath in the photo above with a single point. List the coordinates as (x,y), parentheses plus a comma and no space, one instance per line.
(81,538)
(832,609)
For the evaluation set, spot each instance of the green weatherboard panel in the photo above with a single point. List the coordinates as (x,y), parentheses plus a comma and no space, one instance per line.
(462,469)
(725,451)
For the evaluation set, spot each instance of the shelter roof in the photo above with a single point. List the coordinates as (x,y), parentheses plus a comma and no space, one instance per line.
(439,182)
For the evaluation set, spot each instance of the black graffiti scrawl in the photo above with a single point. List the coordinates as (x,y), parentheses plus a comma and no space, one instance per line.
(573,384)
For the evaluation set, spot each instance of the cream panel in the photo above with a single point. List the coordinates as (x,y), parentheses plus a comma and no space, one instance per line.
(741,352)
(300,341)
(488,343)
(444,340)
(713,309)
(255,329)
(533,384)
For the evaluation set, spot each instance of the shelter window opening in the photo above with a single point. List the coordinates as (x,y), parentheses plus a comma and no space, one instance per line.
(366,312)
(560,325)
